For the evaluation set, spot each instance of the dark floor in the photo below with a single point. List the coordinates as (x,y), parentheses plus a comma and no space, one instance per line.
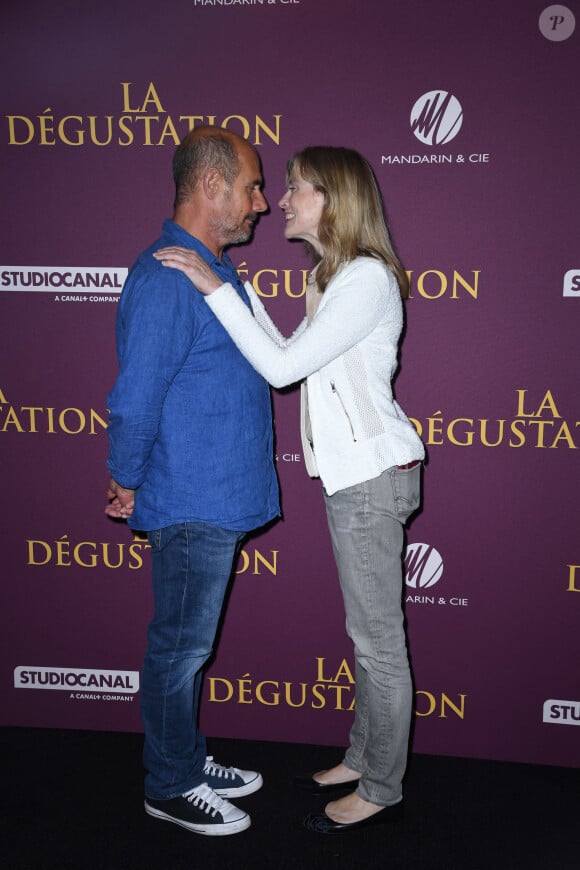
(72,800)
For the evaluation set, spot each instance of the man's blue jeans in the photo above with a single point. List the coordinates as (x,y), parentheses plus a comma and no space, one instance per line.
(191,567)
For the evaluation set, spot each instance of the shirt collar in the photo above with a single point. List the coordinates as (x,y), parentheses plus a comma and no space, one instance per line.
(224,267)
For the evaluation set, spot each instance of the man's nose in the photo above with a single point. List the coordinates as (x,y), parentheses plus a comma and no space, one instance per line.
(260,203)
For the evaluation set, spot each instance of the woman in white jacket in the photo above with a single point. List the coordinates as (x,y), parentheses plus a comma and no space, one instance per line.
(356,438)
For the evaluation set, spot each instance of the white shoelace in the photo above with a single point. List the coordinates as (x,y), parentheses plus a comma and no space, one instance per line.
(203,797)
(213,769)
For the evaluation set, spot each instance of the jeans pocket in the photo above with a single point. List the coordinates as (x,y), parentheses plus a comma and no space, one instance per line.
(154,538)
(406,483)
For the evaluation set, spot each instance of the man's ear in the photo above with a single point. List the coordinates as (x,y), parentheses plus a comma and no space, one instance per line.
(212,183)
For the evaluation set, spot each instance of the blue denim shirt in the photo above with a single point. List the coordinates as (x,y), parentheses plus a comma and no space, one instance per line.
(190,421)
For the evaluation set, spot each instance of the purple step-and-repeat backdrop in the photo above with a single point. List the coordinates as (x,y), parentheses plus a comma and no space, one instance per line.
(469,115)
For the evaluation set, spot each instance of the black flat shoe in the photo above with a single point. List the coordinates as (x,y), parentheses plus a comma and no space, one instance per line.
(307,783)
(323,824)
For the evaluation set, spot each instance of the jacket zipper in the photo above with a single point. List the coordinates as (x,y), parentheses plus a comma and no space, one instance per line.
(346,414)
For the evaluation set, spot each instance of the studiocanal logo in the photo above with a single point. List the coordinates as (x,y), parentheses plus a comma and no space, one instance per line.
(86,684)
(71,283)
(572,283)
(561,712)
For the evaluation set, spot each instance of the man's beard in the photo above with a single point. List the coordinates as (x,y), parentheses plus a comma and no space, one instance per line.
(236,235)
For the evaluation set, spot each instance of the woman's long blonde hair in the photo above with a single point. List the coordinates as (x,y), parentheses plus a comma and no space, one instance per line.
(353,221)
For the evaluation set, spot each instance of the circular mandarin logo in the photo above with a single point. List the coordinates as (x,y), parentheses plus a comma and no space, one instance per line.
(557,23)
(423,566)
(436,118)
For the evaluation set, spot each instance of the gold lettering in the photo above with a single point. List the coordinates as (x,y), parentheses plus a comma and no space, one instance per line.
(317,692)
(213,681)
(245,688)
(435,427)
(439,287)
(81,420)
(262,126)
(572,578)
(447,702)
(96,418)
(135,552)
(31,554)
(257,287)
(169,132)
(515,428)
(541,424)
(484,441)
(32,417)
(123,121)
(468,437)
(288,695)
(442,284)
(80,136)
(546,403)
(150,97)
(564,434)
(243,122)
(288,289)
(432,704)
(344,671)
(12,420)
(471,289)
(259,559)
(126,107)
(320,673)
(92,563)
(93,130)
(106,559)
(12,140)
(46,128)
(147,119)
(63,552)
(339,690)
(274,697)
(245,562)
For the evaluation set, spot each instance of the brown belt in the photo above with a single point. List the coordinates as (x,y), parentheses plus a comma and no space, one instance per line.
(409,465)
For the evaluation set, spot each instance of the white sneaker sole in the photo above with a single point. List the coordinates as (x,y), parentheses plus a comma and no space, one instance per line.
(242,790)
(220,829)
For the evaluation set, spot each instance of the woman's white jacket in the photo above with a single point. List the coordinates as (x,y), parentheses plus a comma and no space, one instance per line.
(348,355)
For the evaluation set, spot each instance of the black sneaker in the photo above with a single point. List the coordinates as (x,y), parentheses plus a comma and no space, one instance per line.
(200,810)
(230,782)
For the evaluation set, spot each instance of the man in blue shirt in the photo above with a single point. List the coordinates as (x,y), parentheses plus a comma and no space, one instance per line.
(191,459)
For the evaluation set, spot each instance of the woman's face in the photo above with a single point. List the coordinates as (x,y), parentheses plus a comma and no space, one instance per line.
(302,205)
